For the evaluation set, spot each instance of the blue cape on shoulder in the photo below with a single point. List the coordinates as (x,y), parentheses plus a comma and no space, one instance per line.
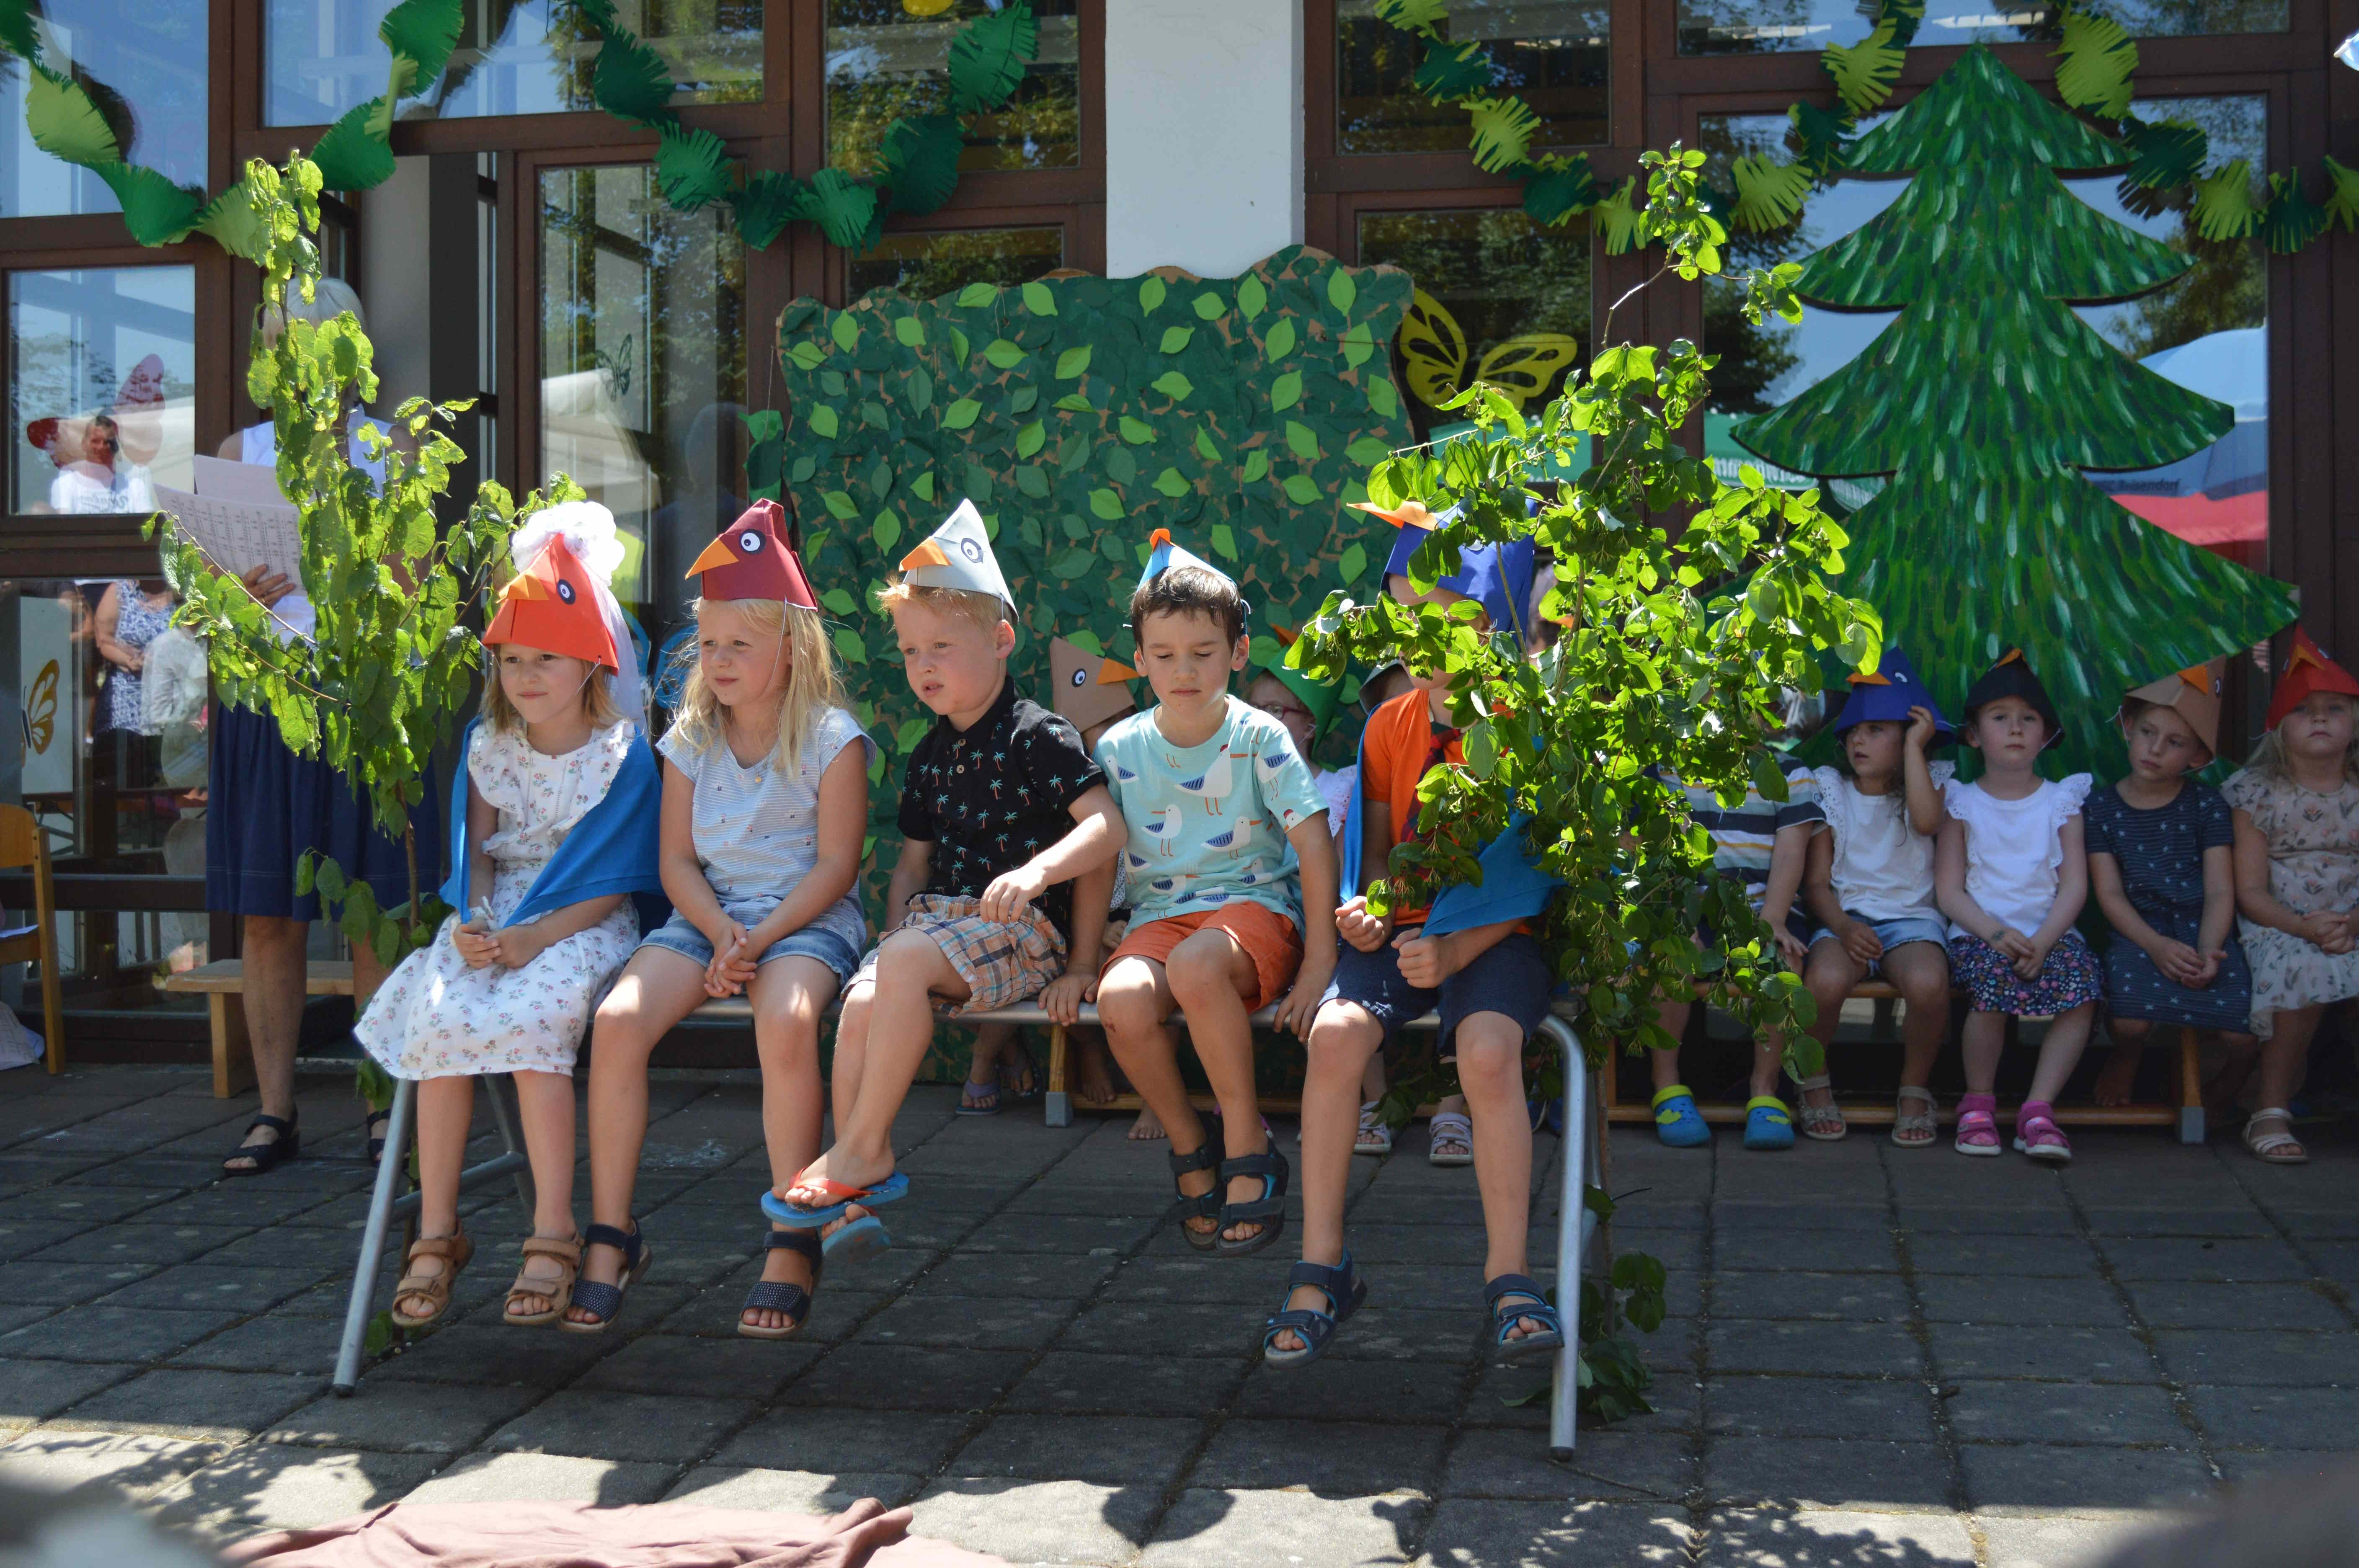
(610,850)
(1513,888)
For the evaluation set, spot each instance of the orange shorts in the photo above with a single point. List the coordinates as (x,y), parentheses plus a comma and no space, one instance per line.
(1268,938)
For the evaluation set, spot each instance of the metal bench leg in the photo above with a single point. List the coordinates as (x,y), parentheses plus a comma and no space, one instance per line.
(1574,1225)
(380,1219)
(1060,1101)
(501,1086)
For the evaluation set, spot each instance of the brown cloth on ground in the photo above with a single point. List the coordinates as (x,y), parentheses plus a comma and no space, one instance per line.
(582,1535)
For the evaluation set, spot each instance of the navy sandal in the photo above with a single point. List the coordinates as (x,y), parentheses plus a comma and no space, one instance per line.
(777,1296)
(1504,1318)
(595,1296)
(1269,1211)
(1204,1205)
(1346,1293)
(376,1122)
(265,1156)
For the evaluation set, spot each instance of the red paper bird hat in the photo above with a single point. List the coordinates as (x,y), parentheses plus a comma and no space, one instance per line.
(2309,673)
(750,558)
(550,606)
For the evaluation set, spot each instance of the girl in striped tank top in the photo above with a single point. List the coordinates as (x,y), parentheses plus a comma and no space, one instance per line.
(765,809)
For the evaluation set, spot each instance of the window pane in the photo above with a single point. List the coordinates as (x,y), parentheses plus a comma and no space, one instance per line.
(1550,53)
(110,796)
(101,384)
(1751,26)
(323,57)
(1515,297)
(144,63)
(643,370)
(884,63)
(926,267)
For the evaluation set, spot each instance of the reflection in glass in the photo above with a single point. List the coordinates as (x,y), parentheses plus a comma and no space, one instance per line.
(884,62)
(929,265)
(1758,26)
(515,57)
(101,384)
(643,370)
(1550,53)
(143,62)
(1514,296)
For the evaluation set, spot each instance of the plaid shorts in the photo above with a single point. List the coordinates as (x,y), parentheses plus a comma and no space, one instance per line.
(1003,963)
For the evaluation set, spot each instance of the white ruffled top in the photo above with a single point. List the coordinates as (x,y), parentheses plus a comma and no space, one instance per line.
(2014,848)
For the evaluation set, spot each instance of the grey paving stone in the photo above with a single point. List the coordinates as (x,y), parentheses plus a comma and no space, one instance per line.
(1336,1389)
(1861,1208)
(192,1402)
(2317,1224)
(1825,1472)
(15,1318)
(2065,1541)
(67,1284)
(788,1491)
(1899,1409)
(2295,1417)
(543,1477)
(307,1345)
(990,1322)
(700,1369)
(136,1464)
(2181,1304)
(85,1206)
(2065,1412)
(34,1390)
(1835,1251)
(202,1287)
(1402,1333)
(1373,1245)
(2085,1302)
(1467,1532)
(1217,1330)
(1762,1538)
(2030,1479)
(1929,1224)
(1099,1235)
(1607,1465)
(255,1490)
(496,1356)
(2209,1259)
(1036,1521)
(1139,1452)
(2110,1225)
(1081,1382)
(112,1333)
(1052,1197)
(1794,1293)
(2060,1256)
(2094,1354)
(2339,1261)
(402,1418)
(1207,1529)
(601,1424)
(1193,1279)
(880,1440)
(1334,1458)
(327,1253)
(1031,1276)
(1840,1349)
(243,1203)
(136,1244)
(1672,1248)
(2221,1356)
(2310,1470)
(894,1377)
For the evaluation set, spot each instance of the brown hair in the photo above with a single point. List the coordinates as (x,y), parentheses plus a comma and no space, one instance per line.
(597,698)
(1189,591)
(985,610)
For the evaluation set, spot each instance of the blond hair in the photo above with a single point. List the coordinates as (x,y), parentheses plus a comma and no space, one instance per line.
(2270,758)
(814,684)
(597,700)
(985,610)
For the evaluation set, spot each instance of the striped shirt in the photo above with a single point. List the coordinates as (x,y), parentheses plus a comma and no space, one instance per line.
(1743,834)
(756,829)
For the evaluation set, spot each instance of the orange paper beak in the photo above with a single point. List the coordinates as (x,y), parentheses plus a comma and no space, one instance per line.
(928,553)
(1114,672)
(716,554)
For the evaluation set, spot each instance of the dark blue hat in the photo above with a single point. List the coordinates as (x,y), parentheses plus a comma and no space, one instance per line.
(1886,696)
(1497,576)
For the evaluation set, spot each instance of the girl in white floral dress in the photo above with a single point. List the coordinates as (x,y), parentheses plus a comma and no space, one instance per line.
(559,805)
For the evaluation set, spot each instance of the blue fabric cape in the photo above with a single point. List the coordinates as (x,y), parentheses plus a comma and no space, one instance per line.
(610,850)
(1513,888)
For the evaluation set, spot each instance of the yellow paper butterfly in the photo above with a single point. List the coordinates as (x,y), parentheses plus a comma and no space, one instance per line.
(1434,347)
(41,711)
(927,7)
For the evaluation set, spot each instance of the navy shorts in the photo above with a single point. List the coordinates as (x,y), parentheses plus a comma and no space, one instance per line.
(1511,977)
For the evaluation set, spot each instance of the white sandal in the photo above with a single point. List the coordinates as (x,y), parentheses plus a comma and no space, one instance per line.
(1922,1122)
(1453,1141)
(2271,1147)
(1375,1137)
(1817,1120)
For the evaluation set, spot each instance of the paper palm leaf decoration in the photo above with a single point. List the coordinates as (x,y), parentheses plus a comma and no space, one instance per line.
(1559,190)
(2224,208)
(1502,132)
(1822,138)
(1450,72)
(1770,194)
(2099,56)
(1616,218)
(1986,400)
(1413,16)
(921,161)
(1864,72)
(2343,194)
(2291,220)
(2164,154)
(988,57)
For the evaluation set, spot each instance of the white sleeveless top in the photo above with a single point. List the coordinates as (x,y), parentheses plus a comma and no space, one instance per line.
(259,444)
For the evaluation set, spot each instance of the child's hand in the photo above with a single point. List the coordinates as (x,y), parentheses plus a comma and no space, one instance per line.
(1062,997)
(2178,961)
(2345,931)
(1790,949)
(1299,1006)
(1859,941)
(1360,928)
(740,960)
(717,982)
(2208,970)
(2326,929)
(1920,728)
(1010,891)
(477,950)
(2034,959)
(1425,961)
(519,945)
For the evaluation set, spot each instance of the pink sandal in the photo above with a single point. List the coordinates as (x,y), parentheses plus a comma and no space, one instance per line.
(2036,1134)
(1978,1125)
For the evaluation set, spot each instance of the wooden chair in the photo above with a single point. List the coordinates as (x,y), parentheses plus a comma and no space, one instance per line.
(21,844)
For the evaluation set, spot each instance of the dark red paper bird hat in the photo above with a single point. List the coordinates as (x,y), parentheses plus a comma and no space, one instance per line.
(751,559)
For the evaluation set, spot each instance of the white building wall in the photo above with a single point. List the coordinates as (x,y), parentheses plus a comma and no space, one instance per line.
(1203,133)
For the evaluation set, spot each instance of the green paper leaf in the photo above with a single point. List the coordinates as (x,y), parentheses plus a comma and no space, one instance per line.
(1032,482)
(844,331)
(1300,489)
(908,332)
(1252,298)
(1074,362)
(1301,441)
(839,601)
(885,531)
(1071,563)
(1341,292)
(1039,300)
(848,645)
(1173,385)
(1224,543)
(988,55)
(1357,344)
(2224,208)
(1105,504)
(1151,293)
(960,414)
(1863,72)
(1031,439)
(920,162)
(977,294)
(839,505)
(1168,482)
(1382,398)
(1256,465)
(1205,449)
(1280,340)
(823,421)
(1002,355)
(349,157)
(922,487)
(1367,452)
(1769,195)
(1502,132)
(1351,563)
(1286,391)
(1022,399)
(1074,403)
(1209,308)
(1138,432)
(65,122)
(1176,337)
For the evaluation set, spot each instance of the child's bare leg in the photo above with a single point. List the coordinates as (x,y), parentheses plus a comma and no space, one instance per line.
(1344,1039)
(1920,972)
(2119,1076)
(1664,1065)
(911,973)
(1491,1070)
(1980,1044)
(1372,1079)
(2220,1094)
(545,1105)
(991,1041)
(851,1043)
(789,995)
(446,1113)
(2284,1057)
(1134,998)
(1094,1066)
(658,989)
(2067,1036)
(1830,973)
(1211,976)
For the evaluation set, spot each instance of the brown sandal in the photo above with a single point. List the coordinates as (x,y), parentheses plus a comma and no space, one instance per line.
(454,1251)
(568,1256)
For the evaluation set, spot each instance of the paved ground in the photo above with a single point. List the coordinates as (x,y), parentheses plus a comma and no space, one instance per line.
(1873,1356)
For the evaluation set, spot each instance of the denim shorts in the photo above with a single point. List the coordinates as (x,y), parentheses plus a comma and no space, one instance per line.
(1511,977)
(1892,933)
(678,935)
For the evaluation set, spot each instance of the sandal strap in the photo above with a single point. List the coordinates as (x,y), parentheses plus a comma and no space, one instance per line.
(442,1247)
(779,1296)
(598,1299)
(1821,1082)
(1505,1317)
(1202,1157)
(1312,1324)
(806,1242)
(1513,1285)
(1333,1279)
(1458,1122)
(1275,1173)
(282,1126)
(628,1243)
(1911,1091)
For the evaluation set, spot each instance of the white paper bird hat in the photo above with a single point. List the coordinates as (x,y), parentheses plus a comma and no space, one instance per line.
(958,555)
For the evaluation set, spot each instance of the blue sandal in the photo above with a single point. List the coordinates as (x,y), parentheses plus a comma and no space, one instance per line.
(1269,1211)
(1504,1318)
(781,1296)
(1767,1123)
(1203,1205)
(597,1297)
(794,1217)
(1676,1121)
(1346,1293)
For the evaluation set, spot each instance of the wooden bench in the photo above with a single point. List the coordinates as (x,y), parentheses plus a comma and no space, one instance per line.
(222,985)
(2186,1114)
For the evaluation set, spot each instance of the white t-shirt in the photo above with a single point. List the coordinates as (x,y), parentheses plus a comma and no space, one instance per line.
(2014,848)
(1335,787)
(1883,869)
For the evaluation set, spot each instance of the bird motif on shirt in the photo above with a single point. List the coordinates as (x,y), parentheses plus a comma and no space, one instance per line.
(1164,827)
(1270,764)
(1239,830)
(1214,784)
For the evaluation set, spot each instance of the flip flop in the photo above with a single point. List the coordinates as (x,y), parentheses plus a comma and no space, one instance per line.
(985,1098)
(891,1189)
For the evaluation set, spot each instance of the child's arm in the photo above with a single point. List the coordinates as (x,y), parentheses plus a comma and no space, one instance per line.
(1788,851)
(1818,898)
(2072,898)
(1427,961)
(908,880)
(475,944)
(1949,893)
(1926,811)
(1314,847)
(1353,921)
(676,862)
(2258,904)
(2219,912)
(519,945)
(1061,999)
(1089,842)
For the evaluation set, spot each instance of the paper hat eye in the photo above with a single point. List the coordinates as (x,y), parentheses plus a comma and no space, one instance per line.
(972,550)
(565,590)
(1080,678)
(750,542)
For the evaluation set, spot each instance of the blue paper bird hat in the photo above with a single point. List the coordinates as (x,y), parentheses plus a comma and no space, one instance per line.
(1886,696)
(1497,576)
(1163,555)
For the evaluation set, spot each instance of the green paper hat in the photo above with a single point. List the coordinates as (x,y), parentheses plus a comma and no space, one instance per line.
(1322,698)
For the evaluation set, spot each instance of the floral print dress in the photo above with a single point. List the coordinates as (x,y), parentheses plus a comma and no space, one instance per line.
(2313,865)
(435,1017)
